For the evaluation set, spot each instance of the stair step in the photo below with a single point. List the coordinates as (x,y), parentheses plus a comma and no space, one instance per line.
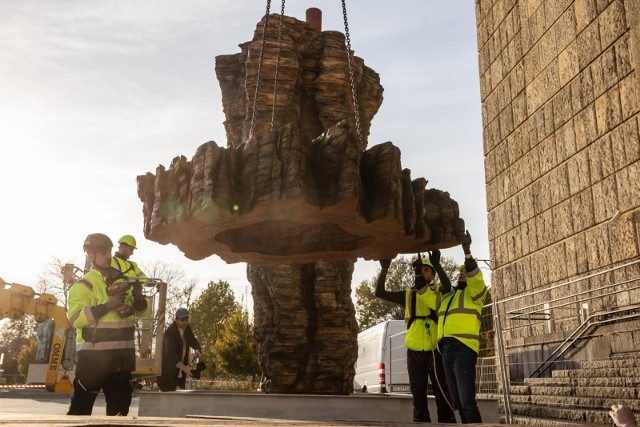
(583,382)
(519,389)
(575,402)
(564,414)
(616,392)
(611,363)
(535,421)
(596,372)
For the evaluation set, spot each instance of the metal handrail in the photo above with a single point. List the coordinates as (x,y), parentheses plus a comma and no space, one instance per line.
(588,291)
(578,333)
(505,300)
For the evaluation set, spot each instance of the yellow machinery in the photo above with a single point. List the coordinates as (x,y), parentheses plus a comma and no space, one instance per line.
(17,300)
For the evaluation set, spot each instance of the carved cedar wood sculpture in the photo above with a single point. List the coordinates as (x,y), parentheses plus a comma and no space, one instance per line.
(298,203)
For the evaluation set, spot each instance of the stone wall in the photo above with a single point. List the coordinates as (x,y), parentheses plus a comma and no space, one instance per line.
(560,107)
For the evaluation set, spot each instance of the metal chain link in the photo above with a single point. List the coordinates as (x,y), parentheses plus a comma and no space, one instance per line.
(356,110)
(259,77)
(275,83)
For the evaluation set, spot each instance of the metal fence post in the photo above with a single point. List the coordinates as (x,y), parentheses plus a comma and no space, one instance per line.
(506,392)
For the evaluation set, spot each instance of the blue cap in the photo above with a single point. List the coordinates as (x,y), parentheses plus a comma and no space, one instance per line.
(182,313)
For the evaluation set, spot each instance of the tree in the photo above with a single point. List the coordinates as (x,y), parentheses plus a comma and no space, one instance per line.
(209,312)
(27,356)
(14,335)
(179,290)
(236,350)
(371,310)
(51,281)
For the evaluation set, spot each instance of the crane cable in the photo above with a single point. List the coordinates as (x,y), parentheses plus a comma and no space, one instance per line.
(275,82)
(260,62)
(259,76)
(356,110)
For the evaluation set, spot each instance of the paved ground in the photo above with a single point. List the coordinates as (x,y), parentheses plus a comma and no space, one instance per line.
(31,408)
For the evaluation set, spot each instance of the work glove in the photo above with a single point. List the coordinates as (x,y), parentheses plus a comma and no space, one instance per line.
(115,301)
(184,368)
(137,290)
(417,266)
(434,256)
(385,263)
(420,282)
(466,243)
(622,416)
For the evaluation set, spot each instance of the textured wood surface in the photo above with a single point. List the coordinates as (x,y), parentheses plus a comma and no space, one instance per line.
(299,202)
(309,189)
(279,199)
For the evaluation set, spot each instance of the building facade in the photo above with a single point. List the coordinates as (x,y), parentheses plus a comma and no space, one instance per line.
(560,93)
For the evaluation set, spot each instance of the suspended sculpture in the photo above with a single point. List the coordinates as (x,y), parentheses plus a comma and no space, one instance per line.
(297,195)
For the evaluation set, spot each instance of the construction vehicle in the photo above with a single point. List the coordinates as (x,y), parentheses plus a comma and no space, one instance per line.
(17,300)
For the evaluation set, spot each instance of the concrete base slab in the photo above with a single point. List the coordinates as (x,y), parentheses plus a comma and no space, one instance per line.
(396,408)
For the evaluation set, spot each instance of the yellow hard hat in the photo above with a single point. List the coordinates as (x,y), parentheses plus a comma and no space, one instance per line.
(425,261)
(128,239)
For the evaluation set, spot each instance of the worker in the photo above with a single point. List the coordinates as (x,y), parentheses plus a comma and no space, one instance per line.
(459,335)
(121,261)
(178,339)
(99,310)
(424,362)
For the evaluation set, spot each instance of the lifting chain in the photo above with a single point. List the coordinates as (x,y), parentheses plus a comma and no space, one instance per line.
(259,77)
(275,83)
(356,110)
(261,60)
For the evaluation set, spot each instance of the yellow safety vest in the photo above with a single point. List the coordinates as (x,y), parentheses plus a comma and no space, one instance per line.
(106,333)
(421,332)
(459,314)
(127,268)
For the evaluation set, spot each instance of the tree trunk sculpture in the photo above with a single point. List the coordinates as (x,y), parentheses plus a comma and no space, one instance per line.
(300,202)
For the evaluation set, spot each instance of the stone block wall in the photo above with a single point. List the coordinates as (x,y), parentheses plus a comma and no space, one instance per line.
(560,89)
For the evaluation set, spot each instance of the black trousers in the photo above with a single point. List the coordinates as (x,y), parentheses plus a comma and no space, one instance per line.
(422,366)
(117,392)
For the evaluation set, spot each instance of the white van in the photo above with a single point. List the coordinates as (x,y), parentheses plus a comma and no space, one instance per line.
(382,359)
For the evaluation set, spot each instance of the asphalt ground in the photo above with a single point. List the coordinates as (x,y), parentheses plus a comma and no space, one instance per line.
(37,407)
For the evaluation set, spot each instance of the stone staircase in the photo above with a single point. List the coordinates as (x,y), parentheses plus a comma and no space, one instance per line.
(578,396)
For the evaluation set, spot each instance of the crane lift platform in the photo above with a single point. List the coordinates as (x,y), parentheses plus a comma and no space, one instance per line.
(17,300)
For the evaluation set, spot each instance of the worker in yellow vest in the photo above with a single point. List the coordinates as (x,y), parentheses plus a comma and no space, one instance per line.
(459,335)
(424,362)
(101,310)
(121,261)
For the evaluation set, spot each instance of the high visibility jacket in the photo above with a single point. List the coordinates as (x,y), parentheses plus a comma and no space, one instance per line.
(127,268)
(459,314)
(105,344)
(422,331)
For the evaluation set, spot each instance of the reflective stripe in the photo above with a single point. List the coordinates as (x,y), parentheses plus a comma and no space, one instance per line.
(473,272)
(465,311)
(467,336)
(89,314)
(107,334)
(87,283)
(109,345)
(480,294)
(124,323)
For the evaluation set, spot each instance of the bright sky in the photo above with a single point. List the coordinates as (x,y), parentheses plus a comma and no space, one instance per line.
(96,92)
